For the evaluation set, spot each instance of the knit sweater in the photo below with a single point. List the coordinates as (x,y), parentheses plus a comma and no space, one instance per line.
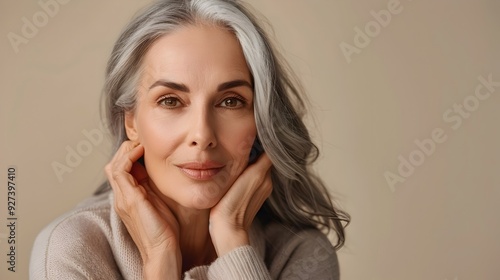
(91,242)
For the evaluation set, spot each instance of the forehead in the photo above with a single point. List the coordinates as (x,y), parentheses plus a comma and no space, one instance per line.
(195,51)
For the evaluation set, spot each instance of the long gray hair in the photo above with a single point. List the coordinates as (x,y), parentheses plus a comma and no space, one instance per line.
(299,198)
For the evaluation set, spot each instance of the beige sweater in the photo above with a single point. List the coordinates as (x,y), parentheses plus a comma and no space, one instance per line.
(91,242)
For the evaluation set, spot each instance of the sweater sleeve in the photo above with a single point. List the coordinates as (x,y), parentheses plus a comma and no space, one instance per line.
(241,263)
(308,255)
(72,248)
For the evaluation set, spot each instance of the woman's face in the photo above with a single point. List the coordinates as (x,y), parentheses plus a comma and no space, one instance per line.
(194,114)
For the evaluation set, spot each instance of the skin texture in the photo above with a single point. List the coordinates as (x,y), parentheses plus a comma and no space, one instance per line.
(195,107)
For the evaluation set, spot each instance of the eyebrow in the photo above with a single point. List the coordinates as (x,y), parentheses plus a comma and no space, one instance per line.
(184,88)
(169,84)
(233,84)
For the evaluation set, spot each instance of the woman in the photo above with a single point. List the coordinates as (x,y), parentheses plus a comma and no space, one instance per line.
(210,177)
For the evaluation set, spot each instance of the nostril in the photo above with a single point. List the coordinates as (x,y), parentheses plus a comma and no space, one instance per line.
(203,144)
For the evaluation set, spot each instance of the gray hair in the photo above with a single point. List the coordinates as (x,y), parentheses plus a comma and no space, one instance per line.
(299,198)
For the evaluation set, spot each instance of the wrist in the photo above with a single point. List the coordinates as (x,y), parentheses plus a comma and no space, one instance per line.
(227,239)
(163,265)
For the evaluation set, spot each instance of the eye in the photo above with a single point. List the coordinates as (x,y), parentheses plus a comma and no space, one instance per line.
(169,102)
(232,103)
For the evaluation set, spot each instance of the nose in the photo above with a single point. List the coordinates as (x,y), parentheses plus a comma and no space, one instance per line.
(201,131)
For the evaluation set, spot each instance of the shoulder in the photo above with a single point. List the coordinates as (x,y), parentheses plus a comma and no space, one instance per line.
(76,243)
(301,254)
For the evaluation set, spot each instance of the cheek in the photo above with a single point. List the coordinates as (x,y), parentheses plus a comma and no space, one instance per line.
(237,138)
(158,136)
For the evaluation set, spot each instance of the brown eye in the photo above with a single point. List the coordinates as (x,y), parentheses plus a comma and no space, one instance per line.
(232,102)
(171,102)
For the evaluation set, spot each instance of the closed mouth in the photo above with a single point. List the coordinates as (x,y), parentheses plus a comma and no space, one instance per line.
(201,170)
(200,174)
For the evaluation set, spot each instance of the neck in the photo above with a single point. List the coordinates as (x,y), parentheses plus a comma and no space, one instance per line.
(194,238)
(195,241)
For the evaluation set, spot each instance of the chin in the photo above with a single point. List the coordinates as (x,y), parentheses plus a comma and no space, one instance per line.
(206,196)
(203,204)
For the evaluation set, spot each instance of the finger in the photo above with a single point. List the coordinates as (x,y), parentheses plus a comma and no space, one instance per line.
(263,162)
(129,155)
(128,187)
(258,199)
(123,183)
(124,148)
(122,165)
(255,174)
(251,189)
(262,191)
(139,172)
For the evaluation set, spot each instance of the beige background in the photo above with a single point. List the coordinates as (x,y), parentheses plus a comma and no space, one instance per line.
(440,223)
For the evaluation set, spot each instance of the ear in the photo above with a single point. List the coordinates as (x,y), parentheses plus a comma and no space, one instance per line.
(131,126)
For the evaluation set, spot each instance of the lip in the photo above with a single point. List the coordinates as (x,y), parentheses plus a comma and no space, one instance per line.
(200,170)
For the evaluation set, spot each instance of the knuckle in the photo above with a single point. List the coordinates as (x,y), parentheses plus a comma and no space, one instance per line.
(107,169)
(119,209)
(123,206)
(268,186)
(116,174)
(269,191)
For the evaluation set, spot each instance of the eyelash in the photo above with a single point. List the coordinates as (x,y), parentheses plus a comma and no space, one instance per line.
(237,97)
(165,97)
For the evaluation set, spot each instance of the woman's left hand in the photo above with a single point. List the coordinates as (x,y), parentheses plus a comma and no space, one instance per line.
(231,218)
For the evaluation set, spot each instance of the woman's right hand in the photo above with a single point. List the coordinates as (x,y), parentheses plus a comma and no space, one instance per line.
(149,221)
